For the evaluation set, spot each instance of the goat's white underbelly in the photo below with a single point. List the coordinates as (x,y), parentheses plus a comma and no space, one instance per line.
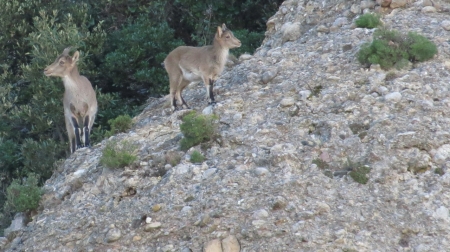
(191,75)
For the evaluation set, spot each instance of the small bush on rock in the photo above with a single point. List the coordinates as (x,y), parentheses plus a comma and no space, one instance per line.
(420,48)
(391,48)
(120,124)
(368,20)
(24,196)
(197,157)
(197,128)
(359,174)
(118,155)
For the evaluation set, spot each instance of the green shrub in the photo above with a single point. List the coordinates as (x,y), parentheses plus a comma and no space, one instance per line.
(320,163)
(118,155)
(420,48)
(135,55)
(439,171)
(120,124)
(197,157)
(9,156)
(24,196)
(368,20)
(391,48)
(197,128)
(39,156)
(359,174)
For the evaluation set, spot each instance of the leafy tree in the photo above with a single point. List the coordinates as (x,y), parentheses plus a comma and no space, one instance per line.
(135,56)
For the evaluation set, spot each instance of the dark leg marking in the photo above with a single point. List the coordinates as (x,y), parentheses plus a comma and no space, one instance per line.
(174,102)
(86,132)
(210,91)
(184,104)
(72,147)
(77,133)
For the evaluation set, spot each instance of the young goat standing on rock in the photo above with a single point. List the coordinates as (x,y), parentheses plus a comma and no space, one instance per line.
(187,64)
(80,102)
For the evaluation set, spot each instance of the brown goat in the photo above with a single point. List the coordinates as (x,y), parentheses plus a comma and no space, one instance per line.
(187,64)
(80,102)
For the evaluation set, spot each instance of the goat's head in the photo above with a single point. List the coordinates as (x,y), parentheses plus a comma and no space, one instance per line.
(63,64)
(226,38)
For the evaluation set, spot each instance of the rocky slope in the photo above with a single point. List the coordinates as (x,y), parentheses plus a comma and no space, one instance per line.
(295,118)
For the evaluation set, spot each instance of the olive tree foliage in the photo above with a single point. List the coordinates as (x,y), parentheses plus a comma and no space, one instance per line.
(32,122)
(134,58)
(200,19)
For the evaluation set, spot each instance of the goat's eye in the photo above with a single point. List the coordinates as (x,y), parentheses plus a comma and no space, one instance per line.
(61,63)
(228,36)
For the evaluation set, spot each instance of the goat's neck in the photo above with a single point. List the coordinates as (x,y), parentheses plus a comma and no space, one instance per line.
(220,53)
(70,80)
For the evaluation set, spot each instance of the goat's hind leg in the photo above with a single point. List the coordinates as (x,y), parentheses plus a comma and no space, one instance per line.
(183,84)
(173,99)
(86,131)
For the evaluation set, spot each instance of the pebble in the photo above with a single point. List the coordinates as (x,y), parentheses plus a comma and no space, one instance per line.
(261,171)
(113,235)
(429,9)
(213,246)
(152,226)
(393,97)
(231,244)
(287,102)
(446,25)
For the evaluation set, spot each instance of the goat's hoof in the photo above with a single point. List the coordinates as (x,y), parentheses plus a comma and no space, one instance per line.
(212,103)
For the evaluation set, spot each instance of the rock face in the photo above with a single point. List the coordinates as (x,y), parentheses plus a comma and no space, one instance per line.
(278,180)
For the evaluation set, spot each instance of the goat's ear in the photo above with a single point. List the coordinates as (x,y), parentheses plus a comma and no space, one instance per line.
(66,51)
(219,31)
(224,27)
(75,57)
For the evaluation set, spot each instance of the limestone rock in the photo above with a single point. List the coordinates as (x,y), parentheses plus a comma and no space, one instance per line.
(231,244)
(291,31)
(429,9)
(446,25)
(394,97)
(367,4)
(384,3)
(113,235)
(398,3)
(17,224)
(213,246)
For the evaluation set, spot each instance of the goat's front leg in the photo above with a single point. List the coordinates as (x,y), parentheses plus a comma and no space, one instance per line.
(76,129)
(209,90)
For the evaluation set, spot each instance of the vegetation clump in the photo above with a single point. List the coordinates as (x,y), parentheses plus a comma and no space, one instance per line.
(390,48)
(197,157)
(197,128)
(359,174)
(368,20)
(120,124)
(118,155)
(25,196)
(439,171)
